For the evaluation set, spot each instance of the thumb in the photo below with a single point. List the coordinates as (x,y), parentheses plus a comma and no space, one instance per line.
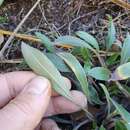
(27,109)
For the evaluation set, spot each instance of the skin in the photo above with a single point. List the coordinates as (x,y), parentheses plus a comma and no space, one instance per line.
(26,98)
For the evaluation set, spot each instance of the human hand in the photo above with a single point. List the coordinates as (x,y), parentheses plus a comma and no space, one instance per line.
(25,98)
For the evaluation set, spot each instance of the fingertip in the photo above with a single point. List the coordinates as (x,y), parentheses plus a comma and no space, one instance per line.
(68,82)
(79,98)
(40,84)
(62,105)
(49,124)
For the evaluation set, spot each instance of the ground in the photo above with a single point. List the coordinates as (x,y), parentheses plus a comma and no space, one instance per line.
(59,17)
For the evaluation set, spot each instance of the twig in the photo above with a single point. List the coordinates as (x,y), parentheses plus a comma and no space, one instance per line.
(21,36)
(14,61)
(79,17)
(81,124)
(121,3)
(17,29)
(28,37)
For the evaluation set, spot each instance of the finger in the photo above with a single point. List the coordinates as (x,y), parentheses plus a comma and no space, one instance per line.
(27,109)
(11,84)
(61,105)
(49,124)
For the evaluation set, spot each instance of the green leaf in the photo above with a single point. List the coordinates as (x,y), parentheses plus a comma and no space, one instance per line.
(123,112)
(94,96)
(76,67)
(85,53)
(121,73)
(73,41)
(45,41)
(125,53)
(1,2)
(44,67)
(58,62)
(102,128)
(99,73)
(111,38)
(120,125)
(113,59)
(87,66)
(89,39)
(107,97)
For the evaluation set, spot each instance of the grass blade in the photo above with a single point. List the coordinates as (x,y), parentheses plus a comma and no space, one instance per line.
(107,97)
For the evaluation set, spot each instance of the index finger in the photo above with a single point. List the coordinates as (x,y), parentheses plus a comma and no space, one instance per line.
(11,84)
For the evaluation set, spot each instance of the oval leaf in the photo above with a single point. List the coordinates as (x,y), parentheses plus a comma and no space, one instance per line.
(99,73)
(125,53)
(88,38)
(76,67)
(45,41)
(44,67)
(58,62)
(73,41)
(121,73)
(111,38)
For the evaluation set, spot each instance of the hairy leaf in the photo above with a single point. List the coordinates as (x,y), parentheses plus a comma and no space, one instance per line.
(76,67)
(99,73)
(125,53)
(88,38)
(44,67)
(111,38)
(45,41)
(121,73)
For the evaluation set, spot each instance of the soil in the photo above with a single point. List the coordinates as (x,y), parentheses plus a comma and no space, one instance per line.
(59,17)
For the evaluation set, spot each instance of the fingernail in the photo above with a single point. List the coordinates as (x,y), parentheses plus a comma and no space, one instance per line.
(38,86)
